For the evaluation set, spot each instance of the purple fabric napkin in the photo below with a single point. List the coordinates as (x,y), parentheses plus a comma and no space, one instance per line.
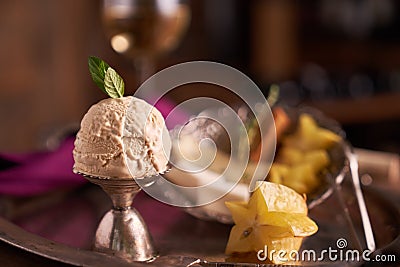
(36,173)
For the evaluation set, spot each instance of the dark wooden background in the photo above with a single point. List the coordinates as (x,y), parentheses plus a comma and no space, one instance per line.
(45,86)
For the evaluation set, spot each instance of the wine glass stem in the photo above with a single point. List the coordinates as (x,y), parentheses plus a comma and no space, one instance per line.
(144,68)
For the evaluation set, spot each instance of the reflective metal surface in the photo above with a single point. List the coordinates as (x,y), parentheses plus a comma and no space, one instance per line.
(14,235)
(122,231)
(369,235)
(182,239)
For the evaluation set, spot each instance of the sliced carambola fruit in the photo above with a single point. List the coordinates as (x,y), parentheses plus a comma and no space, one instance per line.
(310,136)
(275,216)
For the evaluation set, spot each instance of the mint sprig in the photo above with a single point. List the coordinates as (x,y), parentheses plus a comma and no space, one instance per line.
(106,78)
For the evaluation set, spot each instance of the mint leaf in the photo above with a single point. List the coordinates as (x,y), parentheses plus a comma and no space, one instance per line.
(106,78)
(98,69)
(113,83)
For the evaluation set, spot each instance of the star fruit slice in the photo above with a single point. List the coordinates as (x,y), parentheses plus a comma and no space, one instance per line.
(275,216)
(281,198)
(309,135)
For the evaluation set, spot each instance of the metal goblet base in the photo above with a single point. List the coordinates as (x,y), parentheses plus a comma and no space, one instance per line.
(122,231)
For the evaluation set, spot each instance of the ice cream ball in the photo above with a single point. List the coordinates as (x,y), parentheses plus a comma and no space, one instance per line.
(122,138)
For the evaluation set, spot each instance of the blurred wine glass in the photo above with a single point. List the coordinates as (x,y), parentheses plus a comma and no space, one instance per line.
(142,30)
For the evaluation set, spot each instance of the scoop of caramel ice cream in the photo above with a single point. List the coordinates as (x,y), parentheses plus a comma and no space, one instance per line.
(122,138)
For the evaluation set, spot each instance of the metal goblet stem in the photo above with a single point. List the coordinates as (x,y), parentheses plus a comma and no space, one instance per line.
(122,231)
